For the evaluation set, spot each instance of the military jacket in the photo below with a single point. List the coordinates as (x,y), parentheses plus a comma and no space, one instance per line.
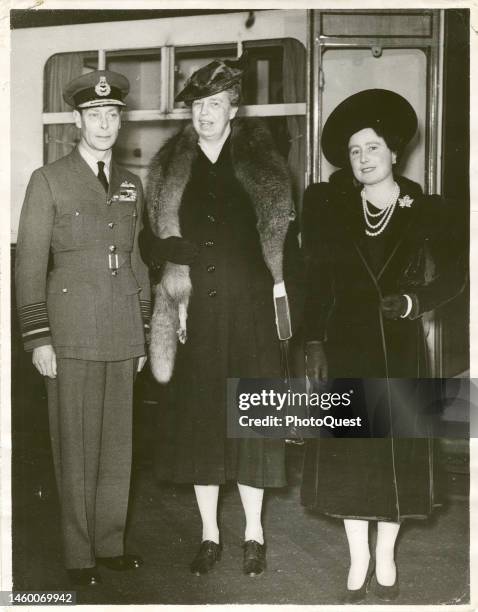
(93,300)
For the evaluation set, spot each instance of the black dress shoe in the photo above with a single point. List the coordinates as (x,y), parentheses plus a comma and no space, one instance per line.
(355,596)
(254,558)
(209,552)
(84,576)
(121,563)
(386,593)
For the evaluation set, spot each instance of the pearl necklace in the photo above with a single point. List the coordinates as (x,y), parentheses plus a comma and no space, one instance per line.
(382,216)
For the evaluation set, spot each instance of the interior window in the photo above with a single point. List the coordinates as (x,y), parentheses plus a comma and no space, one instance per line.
(276,74)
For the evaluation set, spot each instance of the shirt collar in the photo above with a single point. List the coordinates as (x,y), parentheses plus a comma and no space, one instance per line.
(93,162)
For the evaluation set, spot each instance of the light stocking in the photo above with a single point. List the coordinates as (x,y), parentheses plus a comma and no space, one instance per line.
(251,498)
(357,538)
(207,497)
(386,570)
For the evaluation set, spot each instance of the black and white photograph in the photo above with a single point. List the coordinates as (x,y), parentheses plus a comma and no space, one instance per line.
(237,367)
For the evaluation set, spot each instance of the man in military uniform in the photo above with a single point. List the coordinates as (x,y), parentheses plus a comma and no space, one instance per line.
(84,322)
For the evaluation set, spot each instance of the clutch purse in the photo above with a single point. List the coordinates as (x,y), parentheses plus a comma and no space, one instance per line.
(421,270)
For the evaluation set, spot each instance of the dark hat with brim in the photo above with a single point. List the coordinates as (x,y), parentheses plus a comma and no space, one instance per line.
(213,78)
(379,109)
(97,88)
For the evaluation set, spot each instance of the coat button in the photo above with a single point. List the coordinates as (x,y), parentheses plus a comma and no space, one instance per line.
(212,293)
(111,224)
(109,202)
(211,218)
(77,212)
(114,273)
(211,268)
(212,195)
(112,248)
(64,290)
(209,243)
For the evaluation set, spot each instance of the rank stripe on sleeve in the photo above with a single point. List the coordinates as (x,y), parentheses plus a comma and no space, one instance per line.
(145,306)
(34,321)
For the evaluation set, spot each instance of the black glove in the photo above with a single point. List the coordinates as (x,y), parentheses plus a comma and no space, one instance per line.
(155,251)
(316,362)
(393,306)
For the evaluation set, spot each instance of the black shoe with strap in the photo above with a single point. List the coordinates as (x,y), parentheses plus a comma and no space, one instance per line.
(254,558)
(386,593)
(355,596)
(208,554)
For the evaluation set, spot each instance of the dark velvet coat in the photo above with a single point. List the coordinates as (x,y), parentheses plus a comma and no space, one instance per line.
(231,331)
(420,253)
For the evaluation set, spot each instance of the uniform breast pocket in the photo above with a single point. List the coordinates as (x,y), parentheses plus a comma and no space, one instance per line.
(72,314)
(84,226)
(126,224)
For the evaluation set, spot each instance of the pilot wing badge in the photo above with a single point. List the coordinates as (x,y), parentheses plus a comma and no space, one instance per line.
(127,192)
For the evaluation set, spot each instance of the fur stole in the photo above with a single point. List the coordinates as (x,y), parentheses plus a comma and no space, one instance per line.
(263,174)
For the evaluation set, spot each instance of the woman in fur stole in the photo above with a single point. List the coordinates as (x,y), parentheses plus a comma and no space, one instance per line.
(220,210)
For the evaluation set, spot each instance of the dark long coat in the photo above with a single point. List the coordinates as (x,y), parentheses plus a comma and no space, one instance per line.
(391,476)
(231,331)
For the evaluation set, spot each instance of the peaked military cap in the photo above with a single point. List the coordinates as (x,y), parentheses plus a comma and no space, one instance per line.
(97,88)
(372,108)
(213,78)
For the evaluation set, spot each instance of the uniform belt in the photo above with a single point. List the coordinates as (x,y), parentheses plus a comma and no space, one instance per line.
(100,258)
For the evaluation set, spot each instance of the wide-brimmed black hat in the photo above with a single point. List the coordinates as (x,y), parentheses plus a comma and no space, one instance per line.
(213,78)
(97,88)
(385,110)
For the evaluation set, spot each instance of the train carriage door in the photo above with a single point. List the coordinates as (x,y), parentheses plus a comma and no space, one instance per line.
(397,50)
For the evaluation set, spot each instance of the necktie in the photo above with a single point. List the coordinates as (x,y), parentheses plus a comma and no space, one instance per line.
(102,176)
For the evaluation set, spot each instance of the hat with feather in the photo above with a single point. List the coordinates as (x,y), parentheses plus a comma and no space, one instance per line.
(213,78)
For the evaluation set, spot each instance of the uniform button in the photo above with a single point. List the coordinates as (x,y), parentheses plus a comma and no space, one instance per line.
(114,273)
(77,212)
(111,225)
(109,202)
(211,218)
(209,243)
(212,293)
(64,290)
(212,195)
(112,248)
(211,268)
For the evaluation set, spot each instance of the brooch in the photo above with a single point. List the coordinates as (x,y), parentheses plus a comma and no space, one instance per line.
(127,192)
(405,202)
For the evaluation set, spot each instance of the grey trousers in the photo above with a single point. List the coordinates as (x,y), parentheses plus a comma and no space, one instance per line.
(90,406)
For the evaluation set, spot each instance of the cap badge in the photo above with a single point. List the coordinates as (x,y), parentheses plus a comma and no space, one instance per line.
(102,88)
